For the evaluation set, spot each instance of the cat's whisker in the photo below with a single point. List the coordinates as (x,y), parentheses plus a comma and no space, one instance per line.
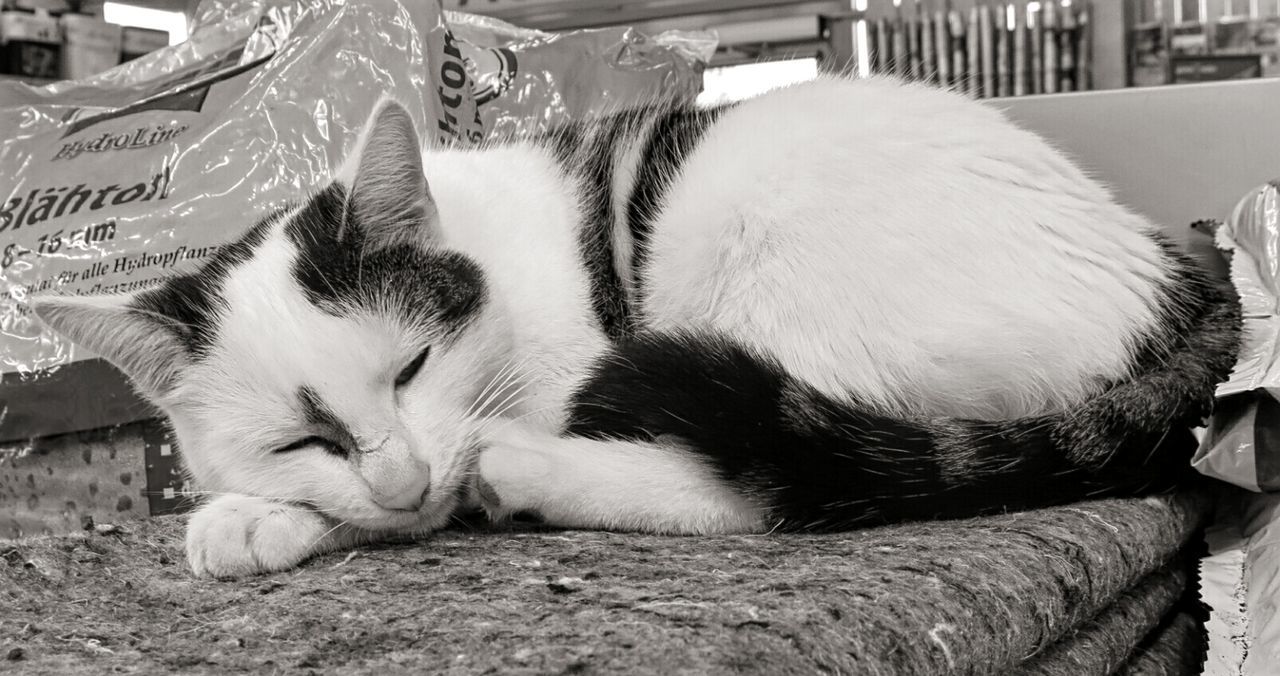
(489,427)
(458,520)
(482,424)
(595,404)
(511,399)
(494,425)
(502,414)
(493,379)
(485,394)
(498,391)
(304,505)
(536,411)
(164,319)
(327,533)
(359,267)
(517,373)
(499,414)
(516,369)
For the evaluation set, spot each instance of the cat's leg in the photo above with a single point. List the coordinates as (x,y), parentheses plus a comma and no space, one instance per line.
(240,535)
(576,482)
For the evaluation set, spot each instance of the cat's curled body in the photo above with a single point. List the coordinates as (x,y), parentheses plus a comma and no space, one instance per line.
(842,303)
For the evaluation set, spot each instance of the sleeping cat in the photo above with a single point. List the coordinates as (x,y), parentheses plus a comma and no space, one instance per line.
(843,303)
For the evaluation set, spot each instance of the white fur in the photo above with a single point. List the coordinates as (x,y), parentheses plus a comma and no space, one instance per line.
(617,485)
(508,209)
(237,535)
(914,250)
(626,161)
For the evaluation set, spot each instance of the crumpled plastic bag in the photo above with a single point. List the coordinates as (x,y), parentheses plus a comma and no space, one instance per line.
(530,81)
(112,183)
(116,181)
(1242,443)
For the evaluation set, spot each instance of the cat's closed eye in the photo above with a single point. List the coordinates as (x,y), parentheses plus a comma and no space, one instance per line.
(313,441)
(408,372)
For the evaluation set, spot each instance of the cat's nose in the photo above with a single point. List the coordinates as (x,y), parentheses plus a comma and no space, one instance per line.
(410,500)
(396,477)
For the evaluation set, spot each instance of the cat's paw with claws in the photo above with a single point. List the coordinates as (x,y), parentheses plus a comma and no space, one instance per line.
(239,535)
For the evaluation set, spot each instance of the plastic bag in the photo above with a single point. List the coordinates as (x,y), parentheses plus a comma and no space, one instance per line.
(529,81)
(273,92)
(112,183)
(1242,444)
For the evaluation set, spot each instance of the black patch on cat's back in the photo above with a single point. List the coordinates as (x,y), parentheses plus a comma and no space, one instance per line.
(588,153)
(671,140)
(191,302)
(565,143)
(585,153)
(341,269)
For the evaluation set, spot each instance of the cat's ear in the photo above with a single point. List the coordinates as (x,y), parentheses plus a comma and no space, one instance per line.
(140,345)
(389,200)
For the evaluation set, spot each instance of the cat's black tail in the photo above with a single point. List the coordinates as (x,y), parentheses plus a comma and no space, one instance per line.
(821,463)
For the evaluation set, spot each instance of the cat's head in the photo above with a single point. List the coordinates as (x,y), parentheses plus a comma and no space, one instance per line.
(335,355)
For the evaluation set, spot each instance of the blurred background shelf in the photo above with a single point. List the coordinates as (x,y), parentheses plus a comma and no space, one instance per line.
(1129,42)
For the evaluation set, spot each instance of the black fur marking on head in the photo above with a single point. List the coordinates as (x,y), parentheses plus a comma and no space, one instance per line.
(326,424)
(192,302)
(671,139)
(341,270)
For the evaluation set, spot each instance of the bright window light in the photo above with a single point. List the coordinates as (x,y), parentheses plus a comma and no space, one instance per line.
(173,23)
(863,38)
(734,83)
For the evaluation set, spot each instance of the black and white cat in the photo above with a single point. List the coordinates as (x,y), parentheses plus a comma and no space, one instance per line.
(839,304)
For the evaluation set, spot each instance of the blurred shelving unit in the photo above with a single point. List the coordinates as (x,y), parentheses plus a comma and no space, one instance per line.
(749,30)
(1182,41)
(841,35)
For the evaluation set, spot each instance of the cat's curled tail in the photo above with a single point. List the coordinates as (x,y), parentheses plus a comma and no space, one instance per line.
(817,462)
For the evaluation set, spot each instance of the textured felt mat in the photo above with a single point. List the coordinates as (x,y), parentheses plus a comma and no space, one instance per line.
(1105,643)
(978,596)
(1174,650)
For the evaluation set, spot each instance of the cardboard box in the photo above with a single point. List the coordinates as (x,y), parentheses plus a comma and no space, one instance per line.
(89,46)
(53,485)
(30,45)
(140,41)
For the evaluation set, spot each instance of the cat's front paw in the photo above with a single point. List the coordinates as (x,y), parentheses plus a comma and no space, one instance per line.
(239,535)
(510,479)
